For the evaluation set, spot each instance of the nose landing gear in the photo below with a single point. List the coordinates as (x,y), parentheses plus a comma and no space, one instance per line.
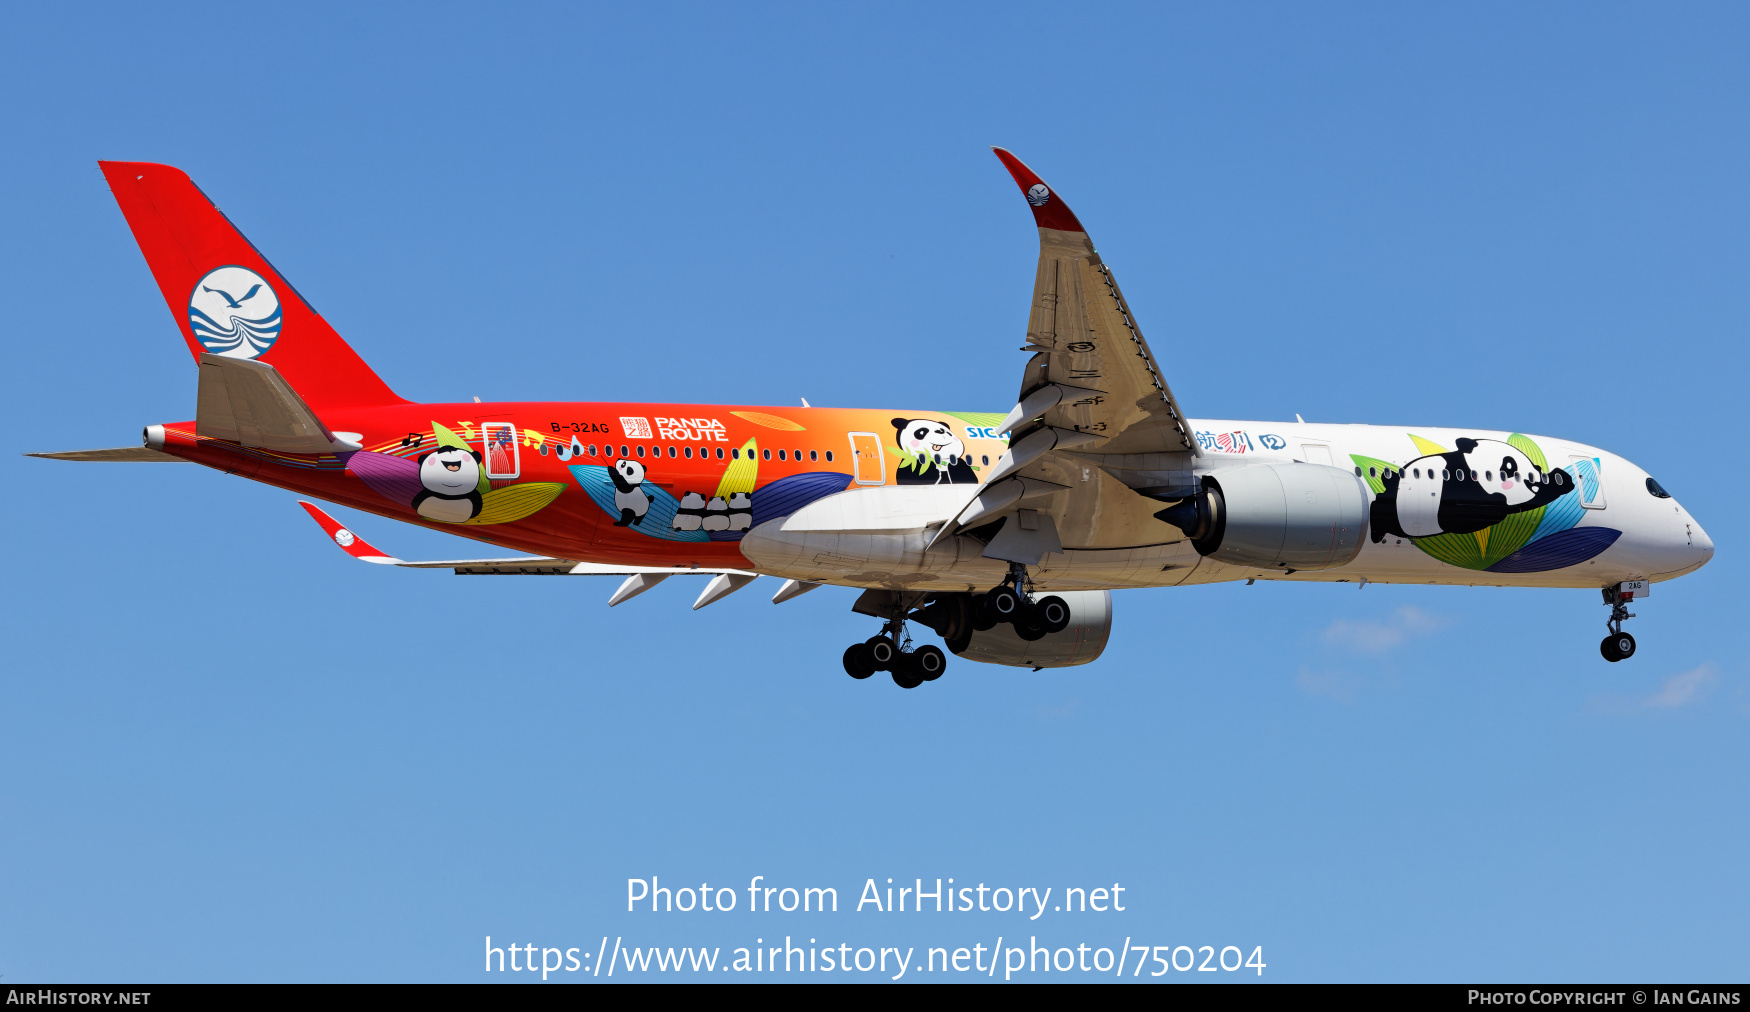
(1618,646)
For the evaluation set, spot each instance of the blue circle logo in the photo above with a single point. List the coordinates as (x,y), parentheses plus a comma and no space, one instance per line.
(234,313)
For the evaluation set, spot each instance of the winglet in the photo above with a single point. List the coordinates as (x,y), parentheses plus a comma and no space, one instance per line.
(1049,210)
(349,542)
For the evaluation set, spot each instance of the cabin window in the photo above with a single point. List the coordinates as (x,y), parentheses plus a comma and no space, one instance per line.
(1415,472)
(1473,476)
(1372,473)
(813,454)
(767,454)
(780,454)
(985,459)
(689,453)
(735,453)
(1357,470)
(623,451)
(797,454)
(829,456)
(592,449)
(674,453)
(1488,476)
(641,451)
(1443,474)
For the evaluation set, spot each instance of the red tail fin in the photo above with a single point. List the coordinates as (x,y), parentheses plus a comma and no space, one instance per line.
(227,298)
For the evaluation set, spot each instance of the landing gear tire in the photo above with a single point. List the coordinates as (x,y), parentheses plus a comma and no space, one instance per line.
(929,662)
(1617,647)
(882,653)
(857,662)
(906,673)
(979,610)
(1030,625)
(1053,613)
(1002,604)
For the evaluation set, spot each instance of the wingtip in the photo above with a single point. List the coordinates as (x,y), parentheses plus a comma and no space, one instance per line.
(1049,210)
(346,540)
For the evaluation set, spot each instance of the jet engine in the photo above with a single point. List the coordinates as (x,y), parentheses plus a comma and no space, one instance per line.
(1295,516)
(1090,623)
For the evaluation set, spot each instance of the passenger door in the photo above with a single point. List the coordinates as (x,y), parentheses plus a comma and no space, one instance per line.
(871,465)
(1589,475)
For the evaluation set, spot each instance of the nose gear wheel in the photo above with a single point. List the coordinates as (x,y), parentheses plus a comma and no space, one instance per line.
(1618,646)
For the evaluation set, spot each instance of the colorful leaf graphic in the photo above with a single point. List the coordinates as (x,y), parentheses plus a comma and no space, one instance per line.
(1373,471)
(769,421)
(1532,451)
(741,474)
(507,505)
(1426,447)
(980,418)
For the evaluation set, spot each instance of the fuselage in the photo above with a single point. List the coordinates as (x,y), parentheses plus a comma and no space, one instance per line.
(744,486)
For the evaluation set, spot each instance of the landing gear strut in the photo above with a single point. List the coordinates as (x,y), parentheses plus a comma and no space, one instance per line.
(890,650)
(1618,646)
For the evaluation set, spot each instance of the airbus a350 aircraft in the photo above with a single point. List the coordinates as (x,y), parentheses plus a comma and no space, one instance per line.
(1004,533)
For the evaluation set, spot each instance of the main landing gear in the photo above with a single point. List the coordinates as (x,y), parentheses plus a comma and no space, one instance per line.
(1618,646)
(890,650)
(1009,602)
(955,617)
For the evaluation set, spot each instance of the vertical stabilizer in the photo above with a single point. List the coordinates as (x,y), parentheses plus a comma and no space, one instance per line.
(225,296)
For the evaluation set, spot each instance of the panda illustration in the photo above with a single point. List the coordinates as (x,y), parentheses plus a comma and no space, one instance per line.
(716,515)
(629,495)
(691,513)
(740,511)
(451,479)
(1479,485)
(937,456)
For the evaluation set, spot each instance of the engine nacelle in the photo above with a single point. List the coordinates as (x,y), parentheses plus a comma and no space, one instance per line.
(1090,623)
(1295,516)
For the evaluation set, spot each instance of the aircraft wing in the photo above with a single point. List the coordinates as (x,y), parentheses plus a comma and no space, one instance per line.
(639,578)
(1097,439)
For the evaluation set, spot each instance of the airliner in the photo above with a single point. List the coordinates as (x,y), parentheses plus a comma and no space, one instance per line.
(1003,533)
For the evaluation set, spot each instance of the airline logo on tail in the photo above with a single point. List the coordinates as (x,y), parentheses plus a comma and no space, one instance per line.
(234,313)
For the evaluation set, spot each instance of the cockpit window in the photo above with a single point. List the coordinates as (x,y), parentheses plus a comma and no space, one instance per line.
(1658,490)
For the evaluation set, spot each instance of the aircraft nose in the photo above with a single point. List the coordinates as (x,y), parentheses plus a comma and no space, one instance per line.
(1701,541)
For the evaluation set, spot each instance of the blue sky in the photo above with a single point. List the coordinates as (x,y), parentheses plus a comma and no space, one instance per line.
(230,753)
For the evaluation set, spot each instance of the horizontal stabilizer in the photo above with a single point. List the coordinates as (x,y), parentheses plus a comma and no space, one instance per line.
(124,454)
(250,403)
